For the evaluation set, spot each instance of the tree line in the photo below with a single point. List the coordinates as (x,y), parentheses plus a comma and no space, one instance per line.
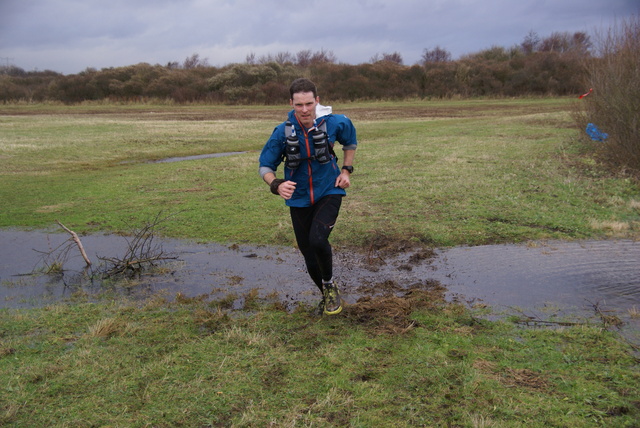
(554,65)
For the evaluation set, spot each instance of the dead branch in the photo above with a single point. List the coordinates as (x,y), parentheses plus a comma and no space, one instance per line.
(141,251)
(536,321)
(540,323)
(76,239)
(607,320)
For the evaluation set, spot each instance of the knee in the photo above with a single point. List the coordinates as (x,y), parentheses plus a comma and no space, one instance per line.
(319,243)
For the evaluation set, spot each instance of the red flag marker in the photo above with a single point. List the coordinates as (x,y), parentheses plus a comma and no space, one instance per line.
(584,95)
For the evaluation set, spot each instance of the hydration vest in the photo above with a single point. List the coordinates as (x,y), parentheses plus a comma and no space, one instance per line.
(322,149)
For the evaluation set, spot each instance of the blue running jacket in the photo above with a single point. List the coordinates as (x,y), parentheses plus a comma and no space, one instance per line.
(313,180)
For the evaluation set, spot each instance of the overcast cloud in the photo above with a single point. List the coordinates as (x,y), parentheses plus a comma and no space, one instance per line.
(70,35)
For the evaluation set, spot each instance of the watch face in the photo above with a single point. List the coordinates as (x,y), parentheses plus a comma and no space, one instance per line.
(348,168)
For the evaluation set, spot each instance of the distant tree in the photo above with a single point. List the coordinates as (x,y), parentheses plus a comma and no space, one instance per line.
(395,57)
(284,58)
(556,42)
(306,58)
(323,57)
(435,55)
(303,58)
(12,70)
(279,58)
(581,43)
(194,61)
(530,43)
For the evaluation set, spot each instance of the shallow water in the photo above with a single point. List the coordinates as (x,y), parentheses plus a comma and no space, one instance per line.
(541,280)
(197,157)
(575,274)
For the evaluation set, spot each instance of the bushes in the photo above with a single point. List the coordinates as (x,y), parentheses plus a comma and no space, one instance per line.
(252,83)
(17,84)
(538,67)
(541,73)
(614,105)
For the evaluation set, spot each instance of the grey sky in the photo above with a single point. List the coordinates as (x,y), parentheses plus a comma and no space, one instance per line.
(70,35)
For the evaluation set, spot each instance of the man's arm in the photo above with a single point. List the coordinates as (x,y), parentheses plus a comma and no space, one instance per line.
(344,179)
(270,158)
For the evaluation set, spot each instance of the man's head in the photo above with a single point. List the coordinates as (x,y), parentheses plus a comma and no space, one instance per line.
(304,98)
(303,85)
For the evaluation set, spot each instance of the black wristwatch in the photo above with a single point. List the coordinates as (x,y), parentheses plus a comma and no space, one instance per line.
(349,169)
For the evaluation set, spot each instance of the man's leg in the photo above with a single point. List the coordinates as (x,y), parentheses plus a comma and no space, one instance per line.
(301,219)
(324,218)
(312,227)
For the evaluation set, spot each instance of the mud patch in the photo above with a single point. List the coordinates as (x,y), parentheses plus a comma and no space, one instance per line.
(512,377)
(391,312)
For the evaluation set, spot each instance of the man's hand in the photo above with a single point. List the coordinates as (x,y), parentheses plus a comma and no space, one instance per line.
(344,180)
(286,189)
(279,186)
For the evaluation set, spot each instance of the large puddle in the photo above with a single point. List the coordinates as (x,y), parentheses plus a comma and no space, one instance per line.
(541,280)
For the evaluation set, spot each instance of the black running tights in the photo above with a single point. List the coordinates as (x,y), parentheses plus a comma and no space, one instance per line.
(312,226)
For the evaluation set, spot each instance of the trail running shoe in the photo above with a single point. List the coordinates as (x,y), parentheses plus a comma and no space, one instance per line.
(332,300)
(319,310)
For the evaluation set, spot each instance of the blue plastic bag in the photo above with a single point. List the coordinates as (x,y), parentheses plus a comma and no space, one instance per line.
(595,133)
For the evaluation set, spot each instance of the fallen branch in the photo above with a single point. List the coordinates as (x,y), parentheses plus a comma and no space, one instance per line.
(607,320)
(76,239)
(539,322)
(536,321)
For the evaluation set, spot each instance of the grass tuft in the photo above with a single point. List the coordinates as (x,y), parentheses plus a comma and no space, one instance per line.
(108,327)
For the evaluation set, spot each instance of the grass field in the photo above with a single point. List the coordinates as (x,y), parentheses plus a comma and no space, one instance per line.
(440,173)
(193,364)
(429,173)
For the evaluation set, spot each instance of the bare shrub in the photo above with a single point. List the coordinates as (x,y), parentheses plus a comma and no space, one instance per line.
(614,76)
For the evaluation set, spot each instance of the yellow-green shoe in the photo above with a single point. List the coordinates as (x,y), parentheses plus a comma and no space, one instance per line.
(332,300)
(318,310)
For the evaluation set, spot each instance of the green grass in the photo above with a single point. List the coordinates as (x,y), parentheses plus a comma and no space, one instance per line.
(436,173)
(190,364)
(441,173)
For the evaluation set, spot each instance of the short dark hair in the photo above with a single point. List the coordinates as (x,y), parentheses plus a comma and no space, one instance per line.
(303,85)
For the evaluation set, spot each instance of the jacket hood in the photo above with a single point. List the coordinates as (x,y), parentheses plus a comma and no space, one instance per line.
(323,111)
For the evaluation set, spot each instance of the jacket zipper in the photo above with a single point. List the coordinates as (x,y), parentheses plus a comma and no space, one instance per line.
(309,170)
(306,142)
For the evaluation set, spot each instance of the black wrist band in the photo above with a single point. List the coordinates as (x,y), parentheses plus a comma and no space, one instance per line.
(274,185)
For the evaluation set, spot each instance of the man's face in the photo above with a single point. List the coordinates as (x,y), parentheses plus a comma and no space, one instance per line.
(304,104)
